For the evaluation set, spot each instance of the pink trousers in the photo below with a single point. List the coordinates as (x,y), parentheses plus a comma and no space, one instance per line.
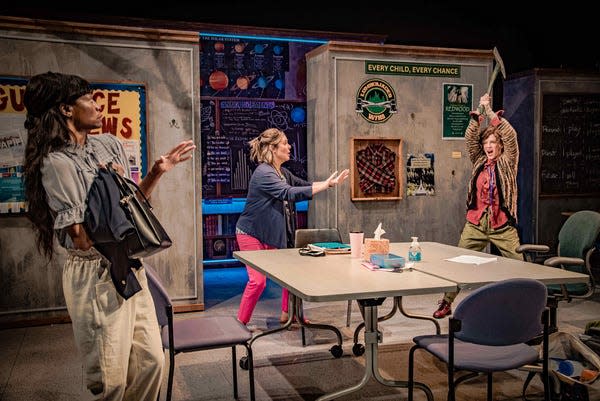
(256,281)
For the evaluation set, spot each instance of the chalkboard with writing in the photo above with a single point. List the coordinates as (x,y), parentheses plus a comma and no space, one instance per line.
(228,125)
(570,144)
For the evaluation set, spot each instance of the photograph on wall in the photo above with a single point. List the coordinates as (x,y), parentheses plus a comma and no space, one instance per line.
(420,177)
(457,103)
(123,107)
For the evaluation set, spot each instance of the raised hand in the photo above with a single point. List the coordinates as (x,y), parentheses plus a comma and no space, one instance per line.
(180,153)
(484,101)
(166,162)
(335,179)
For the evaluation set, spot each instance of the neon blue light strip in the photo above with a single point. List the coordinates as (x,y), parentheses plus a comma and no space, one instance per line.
(219,261)
(236,205)
(224,35)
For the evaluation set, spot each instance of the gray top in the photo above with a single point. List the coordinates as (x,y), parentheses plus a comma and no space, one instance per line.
(67,176)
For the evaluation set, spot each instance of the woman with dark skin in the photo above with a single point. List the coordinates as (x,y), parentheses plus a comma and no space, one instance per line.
(118,338)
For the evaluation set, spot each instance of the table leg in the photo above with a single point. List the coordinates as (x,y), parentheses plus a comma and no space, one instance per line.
(336,350)
(398,302)
(295,305)
(291,306)
(391,313)
(358,349)
(372,339)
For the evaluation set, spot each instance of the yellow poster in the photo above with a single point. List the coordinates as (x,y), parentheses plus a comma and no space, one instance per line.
(124,115)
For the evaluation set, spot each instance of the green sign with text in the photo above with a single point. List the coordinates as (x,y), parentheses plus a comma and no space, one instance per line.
(415,69)
(457,103)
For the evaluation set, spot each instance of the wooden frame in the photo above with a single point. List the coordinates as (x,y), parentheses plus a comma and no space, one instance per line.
(393,145)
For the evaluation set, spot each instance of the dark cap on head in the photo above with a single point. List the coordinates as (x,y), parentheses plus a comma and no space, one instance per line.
(50,89)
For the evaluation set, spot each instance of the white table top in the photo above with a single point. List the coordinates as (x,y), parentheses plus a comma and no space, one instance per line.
(341,277)
(338,277)
(471,275)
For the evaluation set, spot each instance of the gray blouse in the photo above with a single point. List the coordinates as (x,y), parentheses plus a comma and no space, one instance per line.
(67,176)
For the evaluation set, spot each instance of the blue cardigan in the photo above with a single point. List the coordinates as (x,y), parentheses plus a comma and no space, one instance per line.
(264,215)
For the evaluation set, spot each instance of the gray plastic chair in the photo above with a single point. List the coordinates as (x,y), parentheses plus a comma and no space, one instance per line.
(492,330)
(306,236)
(198,333)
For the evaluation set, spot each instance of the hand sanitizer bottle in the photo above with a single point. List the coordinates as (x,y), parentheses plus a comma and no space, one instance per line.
(414,251)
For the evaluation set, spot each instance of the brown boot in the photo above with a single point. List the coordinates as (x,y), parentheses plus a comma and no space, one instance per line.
(443,310)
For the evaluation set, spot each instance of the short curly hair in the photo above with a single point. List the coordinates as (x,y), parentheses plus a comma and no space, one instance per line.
(260,150)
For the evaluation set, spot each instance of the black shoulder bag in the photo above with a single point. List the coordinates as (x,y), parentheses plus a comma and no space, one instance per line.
(148,236)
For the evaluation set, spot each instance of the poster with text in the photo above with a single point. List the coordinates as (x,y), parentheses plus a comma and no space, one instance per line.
(420,177)
(457,103)
(124,115)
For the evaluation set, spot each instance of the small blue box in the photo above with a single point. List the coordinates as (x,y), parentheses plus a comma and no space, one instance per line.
(388,260)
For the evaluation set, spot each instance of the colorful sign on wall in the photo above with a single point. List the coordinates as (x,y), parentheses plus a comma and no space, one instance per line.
(124,110)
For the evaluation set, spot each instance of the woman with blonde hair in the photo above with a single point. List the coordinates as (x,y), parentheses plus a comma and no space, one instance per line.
(268,220)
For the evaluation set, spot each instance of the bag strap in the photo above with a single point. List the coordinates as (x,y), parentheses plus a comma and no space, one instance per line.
(125,185)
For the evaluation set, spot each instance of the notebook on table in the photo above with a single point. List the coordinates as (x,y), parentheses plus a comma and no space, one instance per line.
(330,247)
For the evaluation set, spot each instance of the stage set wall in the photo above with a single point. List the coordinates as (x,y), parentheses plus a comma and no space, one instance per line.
(166,63)
(573,159)
(336,70)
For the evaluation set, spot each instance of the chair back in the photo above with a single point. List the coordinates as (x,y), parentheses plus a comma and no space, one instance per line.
(578,235)
(506,312)
(305,236)
(159,295)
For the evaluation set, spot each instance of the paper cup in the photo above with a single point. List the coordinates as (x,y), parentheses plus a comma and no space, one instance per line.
(356,241)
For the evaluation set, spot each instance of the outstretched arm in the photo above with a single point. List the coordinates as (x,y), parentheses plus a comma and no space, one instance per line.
(180,153)
(334,179)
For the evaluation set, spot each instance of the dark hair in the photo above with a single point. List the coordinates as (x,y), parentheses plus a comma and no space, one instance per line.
(491,130)
(47,131)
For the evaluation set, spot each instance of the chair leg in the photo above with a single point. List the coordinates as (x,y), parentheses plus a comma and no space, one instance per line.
(171,372)
(234,368)
(300,316)
(411,371)
(250,371)
(489,386)
(530,377)
(349,314)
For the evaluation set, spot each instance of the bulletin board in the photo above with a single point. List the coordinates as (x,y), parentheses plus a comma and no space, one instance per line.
(124,115)
(375,169)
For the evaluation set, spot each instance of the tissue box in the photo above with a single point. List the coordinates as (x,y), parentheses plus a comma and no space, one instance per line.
(388,261)
(372,246)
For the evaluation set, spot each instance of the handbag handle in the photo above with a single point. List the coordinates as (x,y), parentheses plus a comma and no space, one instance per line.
(124,186)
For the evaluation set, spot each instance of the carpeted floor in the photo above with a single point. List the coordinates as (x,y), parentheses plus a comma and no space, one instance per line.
(41,363)
(309,375)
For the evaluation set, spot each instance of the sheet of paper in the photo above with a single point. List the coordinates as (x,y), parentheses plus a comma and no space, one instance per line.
(470,259)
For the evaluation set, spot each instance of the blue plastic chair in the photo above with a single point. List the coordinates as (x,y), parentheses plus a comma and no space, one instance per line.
(492,330)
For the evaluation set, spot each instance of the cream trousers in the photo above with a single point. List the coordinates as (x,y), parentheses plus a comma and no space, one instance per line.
(118,339)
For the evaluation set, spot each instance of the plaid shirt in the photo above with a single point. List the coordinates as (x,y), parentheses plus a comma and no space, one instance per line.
(376,169)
